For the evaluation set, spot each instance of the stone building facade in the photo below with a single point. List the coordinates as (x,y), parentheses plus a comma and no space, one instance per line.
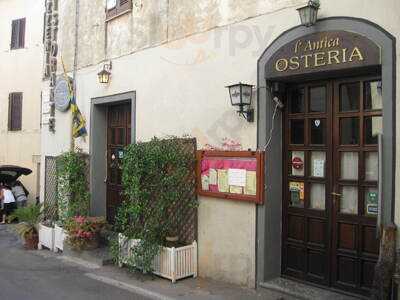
(171,61)
(21,55)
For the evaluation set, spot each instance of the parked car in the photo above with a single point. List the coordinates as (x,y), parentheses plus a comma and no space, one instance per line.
(9,176)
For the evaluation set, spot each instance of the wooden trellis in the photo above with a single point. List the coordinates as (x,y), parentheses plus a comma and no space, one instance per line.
(184,213)
(50,189)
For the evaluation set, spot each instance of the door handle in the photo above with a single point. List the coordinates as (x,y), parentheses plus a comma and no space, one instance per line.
(336,194)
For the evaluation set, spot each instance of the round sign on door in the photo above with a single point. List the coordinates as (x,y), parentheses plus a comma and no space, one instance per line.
(297,163)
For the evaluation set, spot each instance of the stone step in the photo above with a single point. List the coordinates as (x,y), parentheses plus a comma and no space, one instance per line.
(99,256)
(304,291)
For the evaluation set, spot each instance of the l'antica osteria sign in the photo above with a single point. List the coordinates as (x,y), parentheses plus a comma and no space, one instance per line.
(323,51)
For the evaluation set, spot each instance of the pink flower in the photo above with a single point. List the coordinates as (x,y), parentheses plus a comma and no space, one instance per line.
(80,220)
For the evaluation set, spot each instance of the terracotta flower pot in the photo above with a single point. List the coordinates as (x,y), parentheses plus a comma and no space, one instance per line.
(31,241)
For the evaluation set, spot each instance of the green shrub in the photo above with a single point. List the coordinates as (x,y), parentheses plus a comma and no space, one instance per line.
(73,195)
(155,176)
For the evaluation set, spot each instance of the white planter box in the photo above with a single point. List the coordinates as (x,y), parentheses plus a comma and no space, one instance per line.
(46,237)
(170,263)
(59,238)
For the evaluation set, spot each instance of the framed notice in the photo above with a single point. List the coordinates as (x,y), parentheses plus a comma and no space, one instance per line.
(234,175)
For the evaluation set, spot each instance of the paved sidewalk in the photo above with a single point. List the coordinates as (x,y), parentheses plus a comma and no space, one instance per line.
(25,275)
(158,288)
(63,277)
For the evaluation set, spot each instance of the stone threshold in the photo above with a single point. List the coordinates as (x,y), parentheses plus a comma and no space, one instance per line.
(304,291)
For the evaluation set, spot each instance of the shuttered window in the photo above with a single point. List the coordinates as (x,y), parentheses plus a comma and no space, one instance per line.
(18,34)
(117,7)
(15,112)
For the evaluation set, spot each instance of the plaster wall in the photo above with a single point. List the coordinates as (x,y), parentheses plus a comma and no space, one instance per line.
(150,23)
(21,71)
(179,77)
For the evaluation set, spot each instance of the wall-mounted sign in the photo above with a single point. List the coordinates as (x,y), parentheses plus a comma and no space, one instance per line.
(296,193)
(372,203)
(297,163)
(234,175)
(61,94)
(323,51)
(50,54)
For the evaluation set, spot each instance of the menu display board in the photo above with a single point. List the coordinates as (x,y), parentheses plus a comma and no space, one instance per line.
(235,175)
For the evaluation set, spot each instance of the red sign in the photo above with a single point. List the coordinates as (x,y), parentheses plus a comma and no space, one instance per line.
(297,163)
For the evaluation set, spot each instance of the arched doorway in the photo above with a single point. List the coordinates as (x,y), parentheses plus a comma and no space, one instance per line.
(318,218)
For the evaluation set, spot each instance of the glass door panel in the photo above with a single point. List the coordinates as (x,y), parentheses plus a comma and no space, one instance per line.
(318,163)
(317,196)
(349,200)
(349,165)
(349,131)
(371,166)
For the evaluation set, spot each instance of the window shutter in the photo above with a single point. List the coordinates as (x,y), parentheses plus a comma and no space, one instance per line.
(21,35)
(14,34)
(15,112)
(123,5)
(44,27)
(18,33)
(10,97)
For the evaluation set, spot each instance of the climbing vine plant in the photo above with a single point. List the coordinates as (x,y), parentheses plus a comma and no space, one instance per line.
(73,195)
(156,178)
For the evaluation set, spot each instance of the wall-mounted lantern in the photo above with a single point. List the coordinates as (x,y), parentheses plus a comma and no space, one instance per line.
(105,74)
(309,13)
(241,95)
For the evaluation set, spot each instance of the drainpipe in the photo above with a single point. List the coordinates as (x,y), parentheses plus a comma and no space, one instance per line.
(77,3)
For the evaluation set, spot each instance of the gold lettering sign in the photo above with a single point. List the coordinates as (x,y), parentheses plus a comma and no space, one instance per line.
(323,51)
(320,58)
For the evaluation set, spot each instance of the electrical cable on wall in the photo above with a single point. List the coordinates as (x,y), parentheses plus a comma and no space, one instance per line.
(278,105)
(271,131)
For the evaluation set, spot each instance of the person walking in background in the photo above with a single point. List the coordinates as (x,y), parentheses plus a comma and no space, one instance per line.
(20,194)
(8,201)
(1,204)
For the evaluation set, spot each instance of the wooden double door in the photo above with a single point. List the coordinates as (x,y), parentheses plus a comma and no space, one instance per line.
(118,137)
(330,202)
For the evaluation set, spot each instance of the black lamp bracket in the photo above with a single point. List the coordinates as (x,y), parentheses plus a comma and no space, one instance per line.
(247,114)
(107,66)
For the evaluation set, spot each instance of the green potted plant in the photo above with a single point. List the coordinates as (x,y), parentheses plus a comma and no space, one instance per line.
(29,218)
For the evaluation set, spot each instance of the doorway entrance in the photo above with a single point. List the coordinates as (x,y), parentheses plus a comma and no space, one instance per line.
(330,182)
(118,137)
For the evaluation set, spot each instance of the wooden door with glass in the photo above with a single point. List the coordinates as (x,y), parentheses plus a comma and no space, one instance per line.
(330,182)
(118,137)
